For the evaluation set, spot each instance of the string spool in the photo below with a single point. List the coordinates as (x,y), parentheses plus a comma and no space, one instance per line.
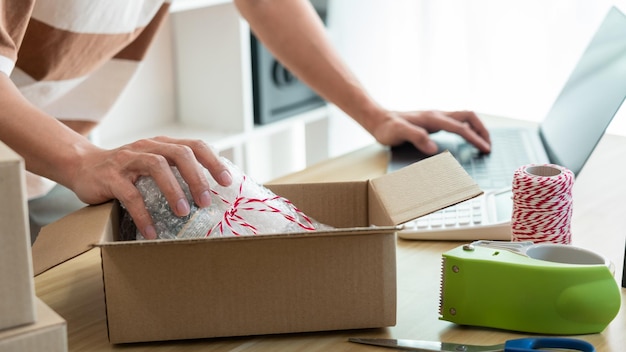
(542,204)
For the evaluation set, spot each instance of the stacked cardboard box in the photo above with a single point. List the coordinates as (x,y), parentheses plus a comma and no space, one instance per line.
(48,333)
(26,324)
(17,295)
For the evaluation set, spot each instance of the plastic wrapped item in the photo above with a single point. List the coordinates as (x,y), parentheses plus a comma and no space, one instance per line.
(244,208)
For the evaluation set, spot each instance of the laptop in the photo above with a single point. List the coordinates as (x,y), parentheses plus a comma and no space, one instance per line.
(567,136)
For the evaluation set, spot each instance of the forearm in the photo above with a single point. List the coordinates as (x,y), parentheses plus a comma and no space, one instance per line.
(294,33)
(48,147)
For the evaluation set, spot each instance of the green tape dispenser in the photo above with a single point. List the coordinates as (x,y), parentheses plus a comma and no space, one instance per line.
(535,288)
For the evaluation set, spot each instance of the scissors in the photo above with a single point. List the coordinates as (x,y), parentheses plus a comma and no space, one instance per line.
(517,345)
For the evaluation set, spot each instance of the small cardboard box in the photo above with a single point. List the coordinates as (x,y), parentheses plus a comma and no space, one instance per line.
(266,284)
(48,334)
(17,292)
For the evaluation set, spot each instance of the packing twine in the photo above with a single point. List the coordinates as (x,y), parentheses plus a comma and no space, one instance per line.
(542,204)
(232,217)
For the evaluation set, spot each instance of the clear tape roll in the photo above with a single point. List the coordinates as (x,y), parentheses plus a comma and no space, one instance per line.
(542,204)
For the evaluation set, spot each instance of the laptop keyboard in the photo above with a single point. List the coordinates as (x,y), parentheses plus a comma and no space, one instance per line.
(493,171)
(463,214)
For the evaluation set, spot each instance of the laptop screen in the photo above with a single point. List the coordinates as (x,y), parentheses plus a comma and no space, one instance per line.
(590,98)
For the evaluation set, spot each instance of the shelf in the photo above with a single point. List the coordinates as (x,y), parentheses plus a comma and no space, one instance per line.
(219,140)
(196,83)
(211,49)
(305,118)
(227,145)
(267,151)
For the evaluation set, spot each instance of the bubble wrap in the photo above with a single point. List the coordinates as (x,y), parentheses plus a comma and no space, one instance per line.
(244,208)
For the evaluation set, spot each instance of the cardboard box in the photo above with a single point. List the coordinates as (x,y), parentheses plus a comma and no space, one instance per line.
(17,293)
(265,284)
(48,334)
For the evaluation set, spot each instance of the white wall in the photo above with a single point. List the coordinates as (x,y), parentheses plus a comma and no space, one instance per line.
(507,58)
(499,57)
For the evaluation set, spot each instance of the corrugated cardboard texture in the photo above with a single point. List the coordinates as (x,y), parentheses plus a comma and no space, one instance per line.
(338,204)
(420,189)
(264,284)
(48,334)
(247,286)
(73,234)
(17,293)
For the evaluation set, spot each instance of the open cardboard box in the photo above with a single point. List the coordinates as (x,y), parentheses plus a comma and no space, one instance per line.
(265,284)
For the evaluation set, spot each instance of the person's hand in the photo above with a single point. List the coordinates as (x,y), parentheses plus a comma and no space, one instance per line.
(415,127)
(103,175)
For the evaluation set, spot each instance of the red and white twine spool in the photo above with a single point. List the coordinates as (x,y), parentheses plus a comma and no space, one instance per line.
(542,204)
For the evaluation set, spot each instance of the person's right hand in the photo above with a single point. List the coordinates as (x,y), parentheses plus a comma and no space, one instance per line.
(393,128)
(102,175)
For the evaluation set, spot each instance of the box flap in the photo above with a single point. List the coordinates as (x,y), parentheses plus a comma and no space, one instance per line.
(338,204)
(73,234)
(420,189)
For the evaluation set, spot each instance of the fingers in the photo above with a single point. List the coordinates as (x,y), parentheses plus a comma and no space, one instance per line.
(154,158)
(191,157)
(464,123)
(416,126)
(473,121)
(102,175)
(207,157)
(132,200)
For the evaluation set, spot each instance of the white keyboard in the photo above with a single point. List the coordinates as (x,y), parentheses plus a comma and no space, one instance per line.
(476,219)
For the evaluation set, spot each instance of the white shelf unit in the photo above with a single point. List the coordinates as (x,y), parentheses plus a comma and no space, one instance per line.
(196,82)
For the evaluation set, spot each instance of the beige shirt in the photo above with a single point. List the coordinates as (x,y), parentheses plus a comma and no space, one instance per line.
(73,58)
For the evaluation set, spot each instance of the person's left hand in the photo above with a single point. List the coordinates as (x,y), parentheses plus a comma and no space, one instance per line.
(100,175)
(416,126)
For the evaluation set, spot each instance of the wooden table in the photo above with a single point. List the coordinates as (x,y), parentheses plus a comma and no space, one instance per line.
(74,289)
